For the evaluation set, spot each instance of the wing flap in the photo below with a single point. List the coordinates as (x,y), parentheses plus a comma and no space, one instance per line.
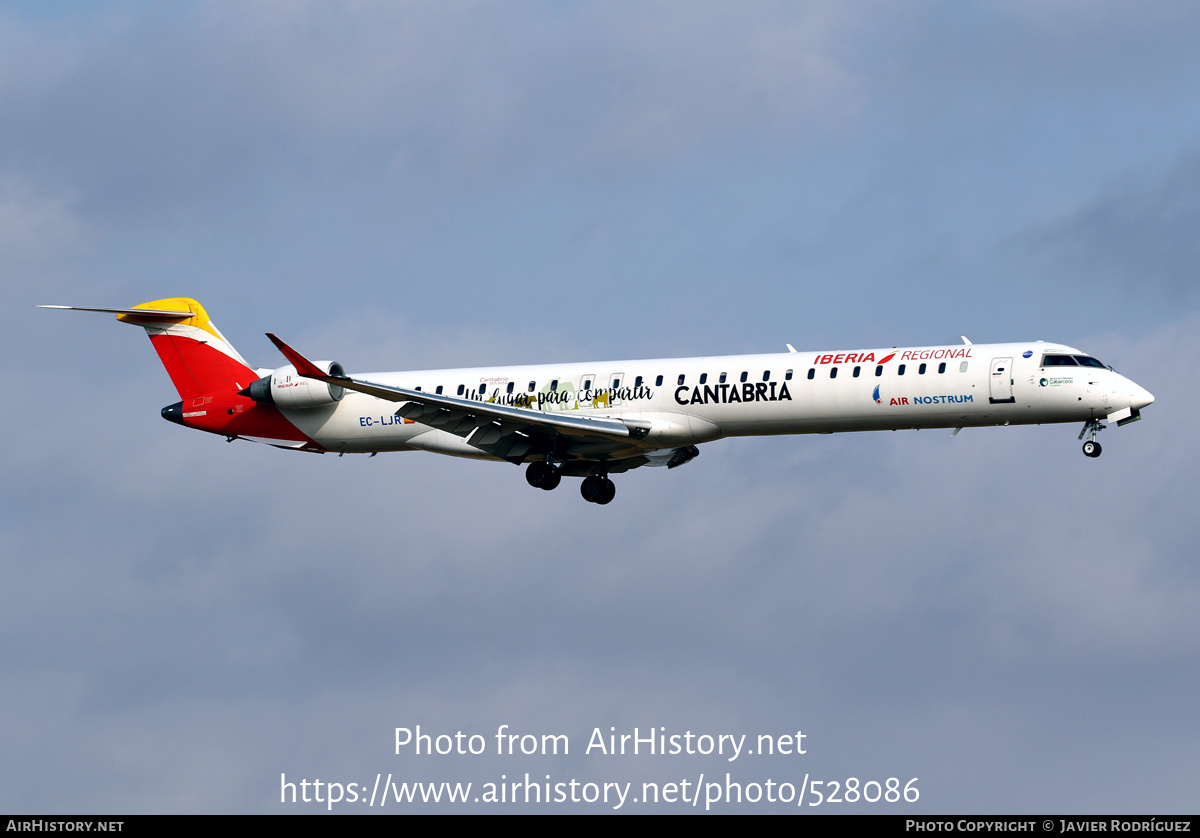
(489,434)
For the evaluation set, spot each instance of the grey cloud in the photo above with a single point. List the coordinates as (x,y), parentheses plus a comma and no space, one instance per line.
(191,105)
(34,225)
(1134,241)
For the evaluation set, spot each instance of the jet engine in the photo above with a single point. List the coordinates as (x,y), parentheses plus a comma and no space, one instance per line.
(287,389)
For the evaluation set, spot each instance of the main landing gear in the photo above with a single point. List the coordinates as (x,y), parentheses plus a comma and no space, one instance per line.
(543,475)
(596,488)
(1091,448)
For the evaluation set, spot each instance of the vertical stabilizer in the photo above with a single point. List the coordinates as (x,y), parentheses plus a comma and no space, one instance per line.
(200,361)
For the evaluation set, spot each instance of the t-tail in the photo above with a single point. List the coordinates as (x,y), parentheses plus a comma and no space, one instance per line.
(210,376)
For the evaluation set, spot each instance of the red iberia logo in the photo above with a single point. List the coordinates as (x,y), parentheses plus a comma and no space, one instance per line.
(852,358)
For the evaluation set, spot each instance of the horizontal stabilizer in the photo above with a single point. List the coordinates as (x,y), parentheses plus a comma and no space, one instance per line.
(134,313)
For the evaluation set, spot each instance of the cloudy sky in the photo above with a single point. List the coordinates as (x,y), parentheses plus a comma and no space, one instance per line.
(415,185)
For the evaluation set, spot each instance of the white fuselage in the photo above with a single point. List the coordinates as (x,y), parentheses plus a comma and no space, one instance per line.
(693,400)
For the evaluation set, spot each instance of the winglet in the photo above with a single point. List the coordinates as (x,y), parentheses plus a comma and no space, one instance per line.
(303,366)
(964,337)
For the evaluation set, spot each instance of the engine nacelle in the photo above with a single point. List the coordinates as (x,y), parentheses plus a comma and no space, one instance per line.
(287,389)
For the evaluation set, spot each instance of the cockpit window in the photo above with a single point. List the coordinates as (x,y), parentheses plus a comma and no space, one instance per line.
(1085,361)
(1058,361)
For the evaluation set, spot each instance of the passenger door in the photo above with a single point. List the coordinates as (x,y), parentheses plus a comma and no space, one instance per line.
(1001,381)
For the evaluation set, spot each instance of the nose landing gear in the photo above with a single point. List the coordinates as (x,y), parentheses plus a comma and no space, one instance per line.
(1091,448)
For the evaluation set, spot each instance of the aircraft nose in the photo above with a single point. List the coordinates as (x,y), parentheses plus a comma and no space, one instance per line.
(1140,397)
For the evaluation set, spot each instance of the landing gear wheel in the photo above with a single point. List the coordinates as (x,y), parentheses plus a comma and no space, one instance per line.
(610,492)
(593,488)
(1091,448)
(542,475)
(536,473)
(551,480)
(596,489)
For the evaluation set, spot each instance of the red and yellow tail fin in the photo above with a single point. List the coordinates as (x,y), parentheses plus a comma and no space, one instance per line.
(208,373)
(197,356)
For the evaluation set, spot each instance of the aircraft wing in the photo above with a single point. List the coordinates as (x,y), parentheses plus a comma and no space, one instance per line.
(500,430)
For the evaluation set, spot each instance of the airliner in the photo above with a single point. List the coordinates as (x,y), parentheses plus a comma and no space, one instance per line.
(600,418)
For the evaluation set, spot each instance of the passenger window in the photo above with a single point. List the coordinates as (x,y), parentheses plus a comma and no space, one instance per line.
(418,389)
(554,386)
(507,389)
(941,367)
(857,370)
(722,381)
(658,381)
(812,373)
(532,386)
(681,378)
(962,367)
(788,375)
(637,382)
(833,372)
(879,370)
(616,383)
(439,390)
(703,378)
(461,388)
(482,389)
(900,369)
(921,370)
(745,375)
(766,375)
